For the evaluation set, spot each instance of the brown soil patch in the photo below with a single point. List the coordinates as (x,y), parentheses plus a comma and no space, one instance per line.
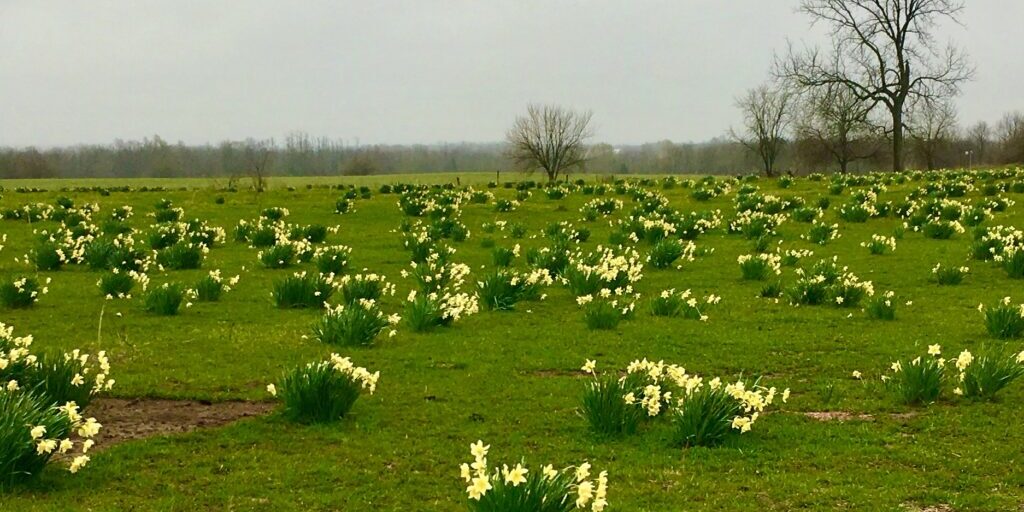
(838,416)
(128,419)
(849,416)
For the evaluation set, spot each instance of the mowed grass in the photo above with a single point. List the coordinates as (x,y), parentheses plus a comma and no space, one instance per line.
(512,378)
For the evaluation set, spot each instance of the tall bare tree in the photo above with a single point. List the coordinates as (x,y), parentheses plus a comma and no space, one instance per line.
(979,136)
(258,155)
(1011,137)
(765,120)
(838,121)
(932,123)
(883,51)
(550,138)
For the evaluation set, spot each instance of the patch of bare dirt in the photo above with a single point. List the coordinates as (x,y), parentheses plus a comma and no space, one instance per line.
(934,508)
(849,416)
(838,416)
(128,419)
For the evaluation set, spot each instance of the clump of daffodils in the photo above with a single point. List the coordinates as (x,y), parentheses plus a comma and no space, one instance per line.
(883,307)
(503,288)
(212,286)
(606,308)
(356,324)
(364,286)
(791,257)
(23,292)
(323,392)
(704,413)
(672,304)
(542,489)
(605,268)
(948,276)
(41,398)
(880,244)
(758,267)
(920,381)
(440,301)
(821,233)
(1004,320)
(982,376)
(332,259)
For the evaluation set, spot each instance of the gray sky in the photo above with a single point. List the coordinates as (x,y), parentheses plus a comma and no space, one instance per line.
(415,71)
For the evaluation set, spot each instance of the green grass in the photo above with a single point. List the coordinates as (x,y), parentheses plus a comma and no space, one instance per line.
(511,378)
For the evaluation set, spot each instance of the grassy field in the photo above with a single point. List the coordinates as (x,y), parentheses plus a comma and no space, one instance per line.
(512,378)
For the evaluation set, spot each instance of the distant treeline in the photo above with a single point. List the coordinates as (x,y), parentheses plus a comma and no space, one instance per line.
(301,155)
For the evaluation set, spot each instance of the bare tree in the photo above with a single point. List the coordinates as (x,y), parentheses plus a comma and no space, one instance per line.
(883,51)
(257,155)
(765,120)
(838,122)
(979,136)
(931,125)
(550,138)
(1011,137)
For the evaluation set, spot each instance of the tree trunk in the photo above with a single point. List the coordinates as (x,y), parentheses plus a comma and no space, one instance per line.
(897,138)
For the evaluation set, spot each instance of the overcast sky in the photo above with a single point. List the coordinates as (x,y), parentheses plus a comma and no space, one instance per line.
(415,71)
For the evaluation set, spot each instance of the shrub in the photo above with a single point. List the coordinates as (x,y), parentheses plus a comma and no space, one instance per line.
(1004,320)
(541,490)
(919,382)
(356,324)
(166,299)
(21,293)
(323,392)
(302,290)
(949,276)
(181,256)
(983,376)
